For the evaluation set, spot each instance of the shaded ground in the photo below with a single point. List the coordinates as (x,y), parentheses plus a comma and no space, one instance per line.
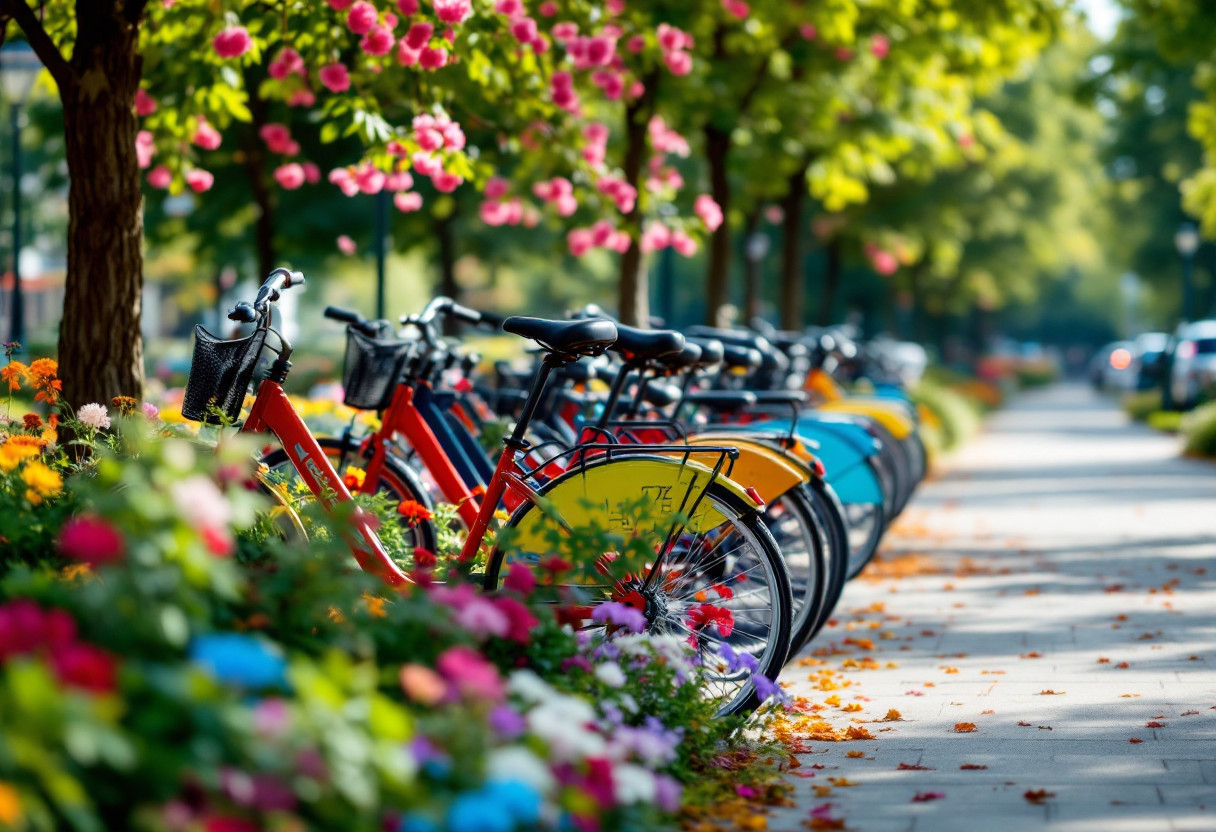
(1054,587)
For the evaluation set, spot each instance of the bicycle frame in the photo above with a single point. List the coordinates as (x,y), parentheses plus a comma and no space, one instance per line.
(273,412)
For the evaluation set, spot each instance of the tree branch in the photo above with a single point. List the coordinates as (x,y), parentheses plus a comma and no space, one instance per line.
(40,42)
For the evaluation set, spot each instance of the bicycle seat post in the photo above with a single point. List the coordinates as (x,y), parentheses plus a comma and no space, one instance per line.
(516,440)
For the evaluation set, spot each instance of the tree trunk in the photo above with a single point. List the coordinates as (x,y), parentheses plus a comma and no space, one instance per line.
(717,282)
(753,286)
(831,282)
(633,287)
(448,287)
(256,165)
(100,349)
(792,282)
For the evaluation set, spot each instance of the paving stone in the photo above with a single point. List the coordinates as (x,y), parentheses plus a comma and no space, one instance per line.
(1046,535)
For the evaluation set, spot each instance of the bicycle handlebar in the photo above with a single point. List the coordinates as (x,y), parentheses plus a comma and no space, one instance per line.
(446,306)
(270,291)
(353,320)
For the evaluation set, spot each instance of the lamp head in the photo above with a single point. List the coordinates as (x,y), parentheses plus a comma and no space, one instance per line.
(1187,239)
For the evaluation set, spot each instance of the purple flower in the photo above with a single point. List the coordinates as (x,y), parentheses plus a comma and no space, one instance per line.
(767,689)
(621,615)
(736,662)
(668,793)
(506,722)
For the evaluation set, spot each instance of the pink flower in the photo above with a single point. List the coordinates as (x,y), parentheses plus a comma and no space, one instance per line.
(408,202)
(884,262)
(562,89)
(483,619)
(312,173)
(206,136)
(520,579)
(709,211)
(672,39)
(346,245)
(232,43)
(426,164)
(399,181)
(378,41)
(160,177)
(199,180)
(636,44)
(145,148)
(615,6)
(428,138)
(579,241)
(287,63)
(408,7)
(91,540)
(880,46)
(290,176)
(145,105)
(433,58)
(513,9)
(277,138)
(843,53)
(453,11)
(496,187)
(335,77)
(680,63)
(302,98)
(453,136)
(369,179)
(493,213)
(472,675)
(524,30)
(666,140)
(150,411)
(683,244)
(808,31)
(405,55)
(345,182)
(446,182)
(548,8)
(419,35)
(520,618)
(361,18)
(564,31)
(86,667)
(623,195)
(340,5)
(736,8)
(610,82)
(656,237)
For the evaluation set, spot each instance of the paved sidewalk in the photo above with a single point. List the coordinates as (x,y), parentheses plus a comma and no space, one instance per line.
(1055,587)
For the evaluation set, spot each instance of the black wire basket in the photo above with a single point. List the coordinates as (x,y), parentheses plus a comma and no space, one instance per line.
(373,367)
(219,375)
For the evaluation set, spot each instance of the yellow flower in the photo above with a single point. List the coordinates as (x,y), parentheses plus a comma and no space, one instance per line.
(33,445)
(13,454)
(42,481)
(354,477)
(10,805)
(375,605)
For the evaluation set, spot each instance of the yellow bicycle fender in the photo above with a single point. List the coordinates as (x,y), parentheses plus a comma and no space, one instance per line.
(758,466)
(594,496)
(897,423)
(819,382)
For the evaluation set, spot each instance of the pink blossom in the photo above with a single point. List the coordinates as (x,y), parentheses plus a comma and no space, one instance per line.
(361,18)
(206,136)
(620,242)
(636,44)
(483,619)
(145,148)
(335,77)
(683,244)
(429,139)
(635,90)
(610,82)
(594,154)
(562,88)
(602,232)
(615,6)
(589,52)
(346,245)
(378,41)
(312,173)
(426,164)
(340,5)
(419,35)
(160,177)
(880,46)
(736,8)
(680,63)
(345,182)
(277,137)
(623,195)
(91,540)
(548,8)
(564,31)
(369,179)
(390,20)
(408,202)
(433,58)
(665,140)
(513,9)
(399,181)
(672,39)
(656,237)
(290,175)
(843,53)
(395,148)
(302,98)
(446,182)
(520,579)
(453,136)
(496,187)
(472,675)
(287,63)
(579,241)
(145,105)
(808,31)
(884,262)
(596,133)
(524,30)
(493,212)
(540,45)
(199,180)
(611,30)
(453,11)
(408,7)
(151,411)
(232,43)
(709,211)
(405,55)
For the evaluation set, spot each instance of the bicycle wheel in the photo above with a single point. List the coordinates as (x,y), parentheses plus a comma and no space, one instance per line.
(830,513)
(804,545)
(396,480)
(734,562)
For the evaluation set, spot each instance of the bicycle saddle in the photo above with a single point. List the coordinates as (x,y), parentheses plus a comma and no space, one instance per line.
(647,343)
(690,356)
(712,351)
(573,338)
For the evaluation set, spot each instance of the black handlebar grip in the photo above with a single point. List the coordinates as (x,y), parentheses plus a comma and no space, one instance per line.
(346,316)
(471,316)
(492,319)
(243,313)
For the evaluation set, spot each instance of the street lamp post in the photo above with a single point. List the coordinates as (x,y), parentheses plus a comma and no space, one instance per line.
(19,68)
(1187,242)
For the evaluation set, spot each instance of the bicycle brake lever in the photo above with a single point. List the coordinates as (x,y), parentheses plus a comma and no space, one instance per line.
(243,313)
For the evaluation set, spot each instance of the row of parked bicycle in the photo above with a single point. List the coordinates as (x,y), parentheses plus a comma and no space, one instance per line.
(742,484)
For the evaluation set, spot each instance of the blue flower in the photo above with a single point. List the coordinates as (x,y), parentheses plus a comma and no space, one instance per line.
(766,689)
(478,812)
(518,799)
(238,659)
(622,615)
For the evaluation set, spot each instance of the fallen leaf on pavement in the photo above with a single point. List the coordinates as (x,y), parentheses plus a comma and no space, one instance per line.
(906,767)
(950,669)
(1024,724)
(925,797)
(1031,655)
(1103,661)
(1044,727)
(965,727)
(972,767)
(914,693)
(1050,692)
(1128,695)
(822,791)
(1123,665)
(1135,741)
(1038,796)
(854,754)
(842,782)
(892,716)
(1189,713)
(1154,724)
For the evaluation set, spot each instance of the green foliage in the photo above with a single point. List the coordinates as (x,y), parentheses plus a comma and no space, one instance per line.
(1142,404)
(1198,430)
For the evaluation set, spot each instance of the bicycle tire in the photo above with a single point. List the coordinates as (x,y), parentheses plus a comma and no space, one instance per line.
(776,646)
(831,513)
(396,479)
(804,546)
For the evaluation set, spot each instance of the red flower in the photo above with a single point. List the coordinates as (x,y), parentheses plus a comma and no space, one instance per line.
(555,565)
(414,512)
(85,666)
(32,421)
(723,591)
(220,543)
(424,557)
(520,579)
(22,628)
(91,540)
(222,824)
(521,618)
(707,615)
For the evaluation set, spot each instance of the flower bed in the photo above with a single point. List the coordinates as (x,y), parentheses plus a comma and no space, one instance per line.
(170,661)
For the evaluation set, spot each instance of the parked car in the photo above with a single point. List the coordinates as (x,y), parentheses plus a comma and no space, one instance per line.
(1111,367)
(1193,371)
(1149,359)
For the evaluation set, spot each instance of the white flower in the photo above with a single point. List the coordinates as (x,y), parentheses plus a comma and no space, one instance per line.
(201,503)
(561,722)
(529,687)
(632,784)
(610,674)
(515,762)
(94,416)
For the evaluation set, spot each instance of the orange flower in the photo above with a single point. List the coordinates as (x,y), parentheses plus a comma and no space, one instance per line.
(123,404)
(43,372)
(414,512)
(12,373)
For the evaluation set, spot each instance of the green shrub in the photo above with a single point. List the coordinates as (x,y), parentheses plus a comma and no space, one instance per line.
(1036,375)
(952,418)
(1141,404)
(1199,430)
(1169,421)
